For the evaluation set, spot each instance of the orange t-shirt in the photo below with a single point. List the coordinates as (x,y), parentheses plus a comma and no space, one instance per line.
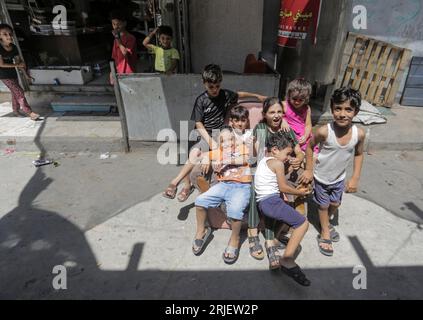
(230,172)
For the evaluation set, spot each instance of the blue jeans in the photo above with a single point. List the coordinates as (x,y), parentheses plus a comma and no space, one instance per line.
(235,195)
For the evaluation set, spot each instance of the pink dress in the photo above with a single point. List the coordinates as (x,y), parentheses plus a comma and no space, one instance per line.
(297,121)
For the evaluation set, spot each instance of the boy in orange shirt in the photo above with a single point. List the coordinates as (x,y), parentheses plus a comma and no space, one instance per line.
(230,162)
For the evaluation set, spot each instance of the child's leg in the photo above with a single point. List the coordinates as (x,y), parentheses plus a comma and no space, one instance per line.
(288,259)
(256,249)
(237,199)
(277,209)
(20,97)
(201,215)
(9,83)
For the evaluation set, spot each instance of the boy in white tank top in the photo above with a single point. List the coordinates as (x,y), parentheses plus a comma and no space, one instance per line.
(340,141)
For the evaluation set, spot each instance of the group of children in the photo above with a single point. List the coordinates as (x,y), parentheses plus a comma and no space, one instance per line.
(269,171)
(125,48)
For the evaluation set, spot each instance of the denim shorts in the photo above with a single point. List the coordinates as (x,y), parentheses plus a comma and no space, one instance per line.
(325,195)
(235,195)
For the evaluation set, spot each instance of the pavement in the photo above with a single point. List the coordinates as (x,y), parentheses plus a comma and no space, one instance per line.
(100,214)
(107,223)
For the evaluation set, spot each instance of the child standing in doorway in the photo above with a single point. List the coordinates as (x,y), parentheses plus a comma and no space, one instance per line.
(166,57)
(9,61)
(340,141)
(124,47)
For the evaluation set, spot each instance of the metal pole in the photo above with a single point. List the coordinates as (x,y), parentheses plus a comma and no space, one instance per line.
(121,108)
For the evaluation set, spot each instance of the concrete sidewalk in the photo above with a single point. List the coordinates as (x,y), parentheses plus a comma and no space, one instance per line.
(106,221)
(22,134)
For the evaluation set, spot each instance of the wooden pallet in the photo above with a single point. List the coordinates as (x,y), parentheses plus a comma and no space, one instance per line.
(374,67)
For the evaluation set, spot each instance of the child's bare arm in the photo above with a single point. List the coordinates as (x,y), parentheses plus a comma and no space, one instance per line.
(243,95)
(285,125)
(352,184)
(277,167)
(146,42)
(308,127)
(205,135)
(320,136)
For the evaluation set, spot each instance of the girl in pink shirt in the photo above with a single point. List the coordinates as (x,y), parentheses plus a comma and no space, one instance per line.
(297,112)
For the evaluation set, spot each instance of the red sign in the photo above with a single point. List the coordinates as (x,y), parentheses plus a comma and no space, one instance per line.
(296,18)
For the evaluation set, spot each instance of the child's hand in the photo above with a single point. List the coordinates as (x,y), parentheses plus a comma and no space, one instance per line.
(217,166)
(306,177)
(302,140)
(305,191)
(205,168)
(285,126)
(351,186)
(295,163)
(261,98)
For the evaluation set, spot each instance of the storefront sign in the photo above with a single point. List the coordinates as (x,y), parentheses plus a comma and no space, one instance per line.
(296,18)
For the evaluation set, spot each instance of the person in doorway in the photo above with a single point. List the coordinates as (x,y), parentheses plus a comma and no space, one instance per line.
(124,47)
(9,62)
(166,57)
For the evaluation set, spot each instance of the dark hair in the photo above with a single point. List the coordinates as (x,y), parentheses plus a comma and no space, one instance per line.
(118,15)
(166,30)
(239,112)
(344,94)
(212,74)
(300,85)
(278,140)
(6,26)
(271,101)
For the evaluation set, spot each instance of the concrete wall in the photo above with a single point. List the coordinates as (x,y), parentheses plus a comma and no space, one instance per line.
(153,103)
(224,32)
(399,22)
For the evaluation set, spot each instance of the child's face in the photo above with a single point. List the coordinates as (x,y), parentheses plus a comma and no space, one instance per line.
(165,40)
(299,99)
(213,89)
(343,114)
(118,25)
(274,116)
(227,140)
(282,155)
(239,124)
(6,36)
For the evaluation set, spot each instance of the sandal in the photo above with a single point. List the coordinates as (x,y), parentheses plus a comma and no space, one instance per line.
(256,251)
(170,192)
(185,193)
(233,255)
(34,116)
(200,244)
(274,258)
(297,274)
(334,235)
(326,252)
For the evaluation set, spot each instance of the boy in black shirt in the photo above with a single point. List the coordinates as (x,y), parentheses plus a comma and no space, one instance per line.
(209,114)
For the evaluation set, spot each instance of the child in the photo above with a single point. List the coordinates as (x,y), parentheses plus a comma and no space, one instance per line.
(166,60)
(124,47)
(269,183)
(239,122)
(271,124)
(230,161)
(339,142)
(297,112)
(209,115)
(9,60)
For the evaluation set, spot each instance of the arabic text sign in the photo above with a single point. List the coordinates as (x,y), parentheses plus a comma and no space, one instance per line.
(296,18)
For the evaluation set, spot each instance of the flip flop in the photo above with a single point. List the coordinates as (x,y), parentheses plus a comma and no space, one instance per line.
(201,243)
(297,274)
(326,252)
(234,252)
(170,192)
(185,193)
